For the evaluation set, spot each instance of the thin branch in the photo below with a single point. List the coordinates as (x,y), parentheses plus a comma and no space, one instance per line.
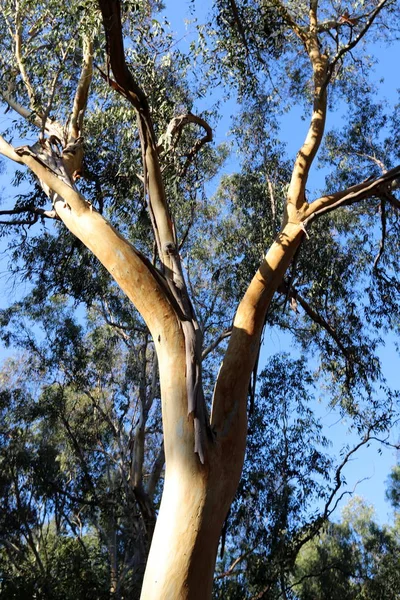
(53,87)
(356,40)
(338,475)
(238,23)
(175,128)
(20,60)
(335,565)
(272,202)
(382,209)
(373,159)
(51,127)
(37,212)
(232,567)
(289,20)
(317,318)
(225,334)
(156,473)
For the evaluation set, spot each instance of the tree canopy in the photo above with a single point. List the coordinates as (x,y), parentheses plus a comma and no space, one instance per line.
(148,262)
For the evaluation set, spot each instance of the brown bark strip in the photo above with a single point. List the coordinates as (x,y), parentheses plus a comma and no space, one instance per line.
(132,91)
(161,219)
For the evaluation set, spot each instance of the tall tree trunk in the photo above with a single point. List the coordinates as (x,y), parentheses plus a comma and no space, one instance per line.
(196,497)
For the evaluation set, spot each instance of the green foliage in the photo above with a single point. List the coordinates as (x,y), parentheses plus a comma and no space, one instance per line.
(285,479)
(354,560)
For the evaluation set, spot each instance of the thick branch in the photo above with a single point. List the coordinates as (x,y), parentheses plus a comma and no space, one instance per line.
(127,85)
(366,189)
(229,418)
(132,271)
(309,149)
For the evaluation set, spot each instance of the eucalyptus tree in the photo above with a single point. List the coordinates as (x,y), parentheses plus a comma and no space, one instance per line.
(74,454)
(355,558)
(54,79)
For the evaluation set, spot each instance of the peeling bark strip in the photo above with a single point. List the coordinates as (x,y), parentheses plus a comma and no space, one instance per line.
(193,353)
(161,219)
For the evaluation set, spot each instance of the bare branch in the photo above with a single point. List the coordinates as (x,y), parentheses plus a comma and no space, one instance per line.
(382,209)
(53,87)
(175,128)
(35,212)
(328,510)
(50,127)
(156,473)
(238,560)
(373,159)
(82,90)
(225,334)
(317,318)
(367,189)
(356,40)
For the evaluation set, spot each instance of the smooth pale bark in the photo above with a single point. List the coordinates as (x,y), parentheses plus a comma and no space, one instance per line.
(196,497)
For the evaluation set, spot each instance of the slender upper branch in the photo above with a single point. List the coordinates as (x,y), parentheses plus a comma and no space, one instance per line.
(20,60)
(82,90)
(51,127)
(290,21)
(358,37)
(319,319)
(175,128)
(319,62)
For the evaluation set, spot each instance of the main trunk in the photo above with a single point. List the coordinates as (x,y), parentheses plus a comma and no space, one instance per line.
(196,497)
